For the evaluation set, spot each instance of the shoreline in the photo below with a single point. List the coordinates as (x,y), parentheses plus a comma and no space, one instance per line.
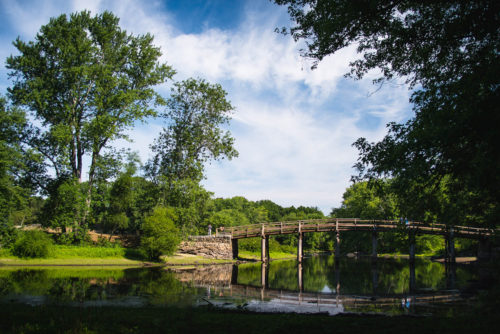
(181,260)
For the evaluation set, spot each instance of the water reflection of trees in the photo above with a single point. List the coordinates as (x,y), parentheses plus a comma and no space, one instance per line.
(356,276)
(156,285)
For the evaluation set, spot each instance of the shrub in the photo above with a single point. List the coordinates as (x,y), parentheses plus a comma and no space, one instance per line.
(33,244)
(254,245)
(159,234)
(8,236)
(78,236)
(106,243)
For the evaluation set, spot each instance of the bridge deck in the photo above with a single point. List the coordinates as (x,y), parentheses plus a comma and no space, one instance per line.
(351,224)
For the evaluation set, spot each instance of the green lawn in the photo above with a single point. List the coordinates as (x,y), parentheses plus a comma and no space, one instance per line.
(248,255)
(77,255)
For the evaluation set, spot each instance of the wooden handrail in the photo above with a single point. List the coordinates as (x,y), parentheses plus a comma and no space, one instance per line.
(330,224)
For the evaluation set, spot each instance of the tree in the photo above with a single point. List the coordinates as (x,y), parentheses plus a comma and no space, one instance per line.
(159,234)
(196,112)
(447,51)
(86,80)
(365,201)
(20,167)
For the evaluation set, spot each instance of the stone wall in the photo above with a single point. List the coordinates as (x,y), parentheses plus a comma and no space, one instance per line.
(207,246)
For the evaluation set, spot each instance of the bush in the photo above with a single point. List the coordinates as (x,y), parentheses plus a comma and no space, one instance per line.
(106,243)
(8,236)
(254,245)
(78,236)
(33,244)
(159,234)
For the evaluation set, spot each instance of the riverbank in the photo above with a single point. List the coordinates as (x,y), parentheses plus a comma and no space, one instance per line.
(119,256)
(18,318)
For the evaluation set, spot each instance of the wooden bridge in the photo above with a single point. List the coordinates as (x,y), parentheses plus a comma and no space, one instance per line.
(339,225)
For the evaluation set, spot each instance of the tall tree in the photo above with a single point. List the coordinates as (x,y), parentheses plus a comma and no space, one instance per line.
(447,51)
(197,111)
(20,167)
(86,80)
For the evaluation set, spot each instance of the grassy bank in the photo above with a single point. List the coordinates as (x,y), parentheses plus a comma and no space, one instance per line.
(18,318)
(77,255)
(248,255)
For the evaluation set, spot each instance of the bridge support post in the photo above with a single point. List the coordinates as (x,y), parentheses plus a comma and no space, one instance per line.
(337,245)
(268,257)
(449,247)
(411,239)
(263,244)
(374,245)
(299,247)
(234,246)
(263,250)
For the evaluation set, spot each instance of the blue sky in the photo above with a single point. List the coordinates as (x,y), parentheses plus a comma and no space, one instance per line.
(293,126)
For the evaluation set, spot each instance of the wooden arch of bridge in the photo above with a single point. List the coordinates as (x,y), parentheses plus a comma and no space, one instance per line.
(337,225)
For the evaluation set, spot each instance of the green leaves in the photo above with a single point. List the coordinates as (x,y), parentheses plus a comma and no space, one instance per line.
(159,234)
(87,81)
(196,113)
(446,51)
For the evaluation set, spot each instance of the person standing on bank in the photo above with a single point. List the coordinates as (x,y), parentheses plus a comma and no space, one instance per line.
(209,229)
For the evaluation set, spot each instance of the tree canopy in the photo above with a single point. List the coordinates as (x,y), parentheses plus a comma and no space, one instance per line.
(196,112)
(447,51)
(86,80)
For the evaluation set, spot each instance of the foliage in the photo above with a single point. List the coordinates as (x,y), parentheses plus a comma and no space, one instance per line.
(33,244)
(87,81)
(159,234)
(65,207)
(19,166)
(120,204)
(448,53)
(64,252)
(365,201)
(8,236)
(196,112)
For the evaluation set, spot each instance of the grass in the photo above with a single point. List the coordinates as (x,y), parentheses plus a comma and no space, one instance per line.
(77,255)
(17,318)
(100,256)
(248,255)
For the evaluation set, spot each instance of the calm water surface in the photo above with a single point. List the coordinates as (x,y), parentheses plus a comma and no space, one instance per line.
(319,284)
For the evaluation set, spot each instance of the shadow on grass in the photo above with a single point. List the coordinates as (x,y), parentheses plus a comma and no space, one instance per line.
(134,254)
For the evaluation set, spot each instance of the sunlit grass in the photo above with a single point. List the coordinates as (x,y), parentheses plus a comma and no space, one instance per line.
(243,254)
(77,255)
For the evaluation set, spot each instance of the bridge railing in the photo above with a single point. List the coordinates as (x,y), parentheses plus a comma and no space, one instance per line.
(348,224)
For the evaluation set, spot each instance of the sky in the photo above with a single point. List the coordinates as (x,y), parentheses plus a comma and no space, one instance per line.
(293,126)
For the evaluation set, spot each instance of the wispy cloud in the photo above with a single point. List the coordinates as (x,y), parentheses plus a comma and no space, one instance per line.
(293,126)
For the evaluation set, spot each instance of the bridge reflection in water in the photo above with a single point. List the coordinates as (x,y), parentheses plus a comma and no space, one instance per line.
(266,297)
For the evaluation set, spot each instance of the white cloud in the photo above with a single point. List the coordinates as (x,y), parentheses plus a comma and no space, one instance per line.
(293,127)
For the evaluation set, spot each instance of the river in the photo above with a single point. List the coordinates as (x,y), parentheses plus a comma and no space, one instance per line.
(318,285)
